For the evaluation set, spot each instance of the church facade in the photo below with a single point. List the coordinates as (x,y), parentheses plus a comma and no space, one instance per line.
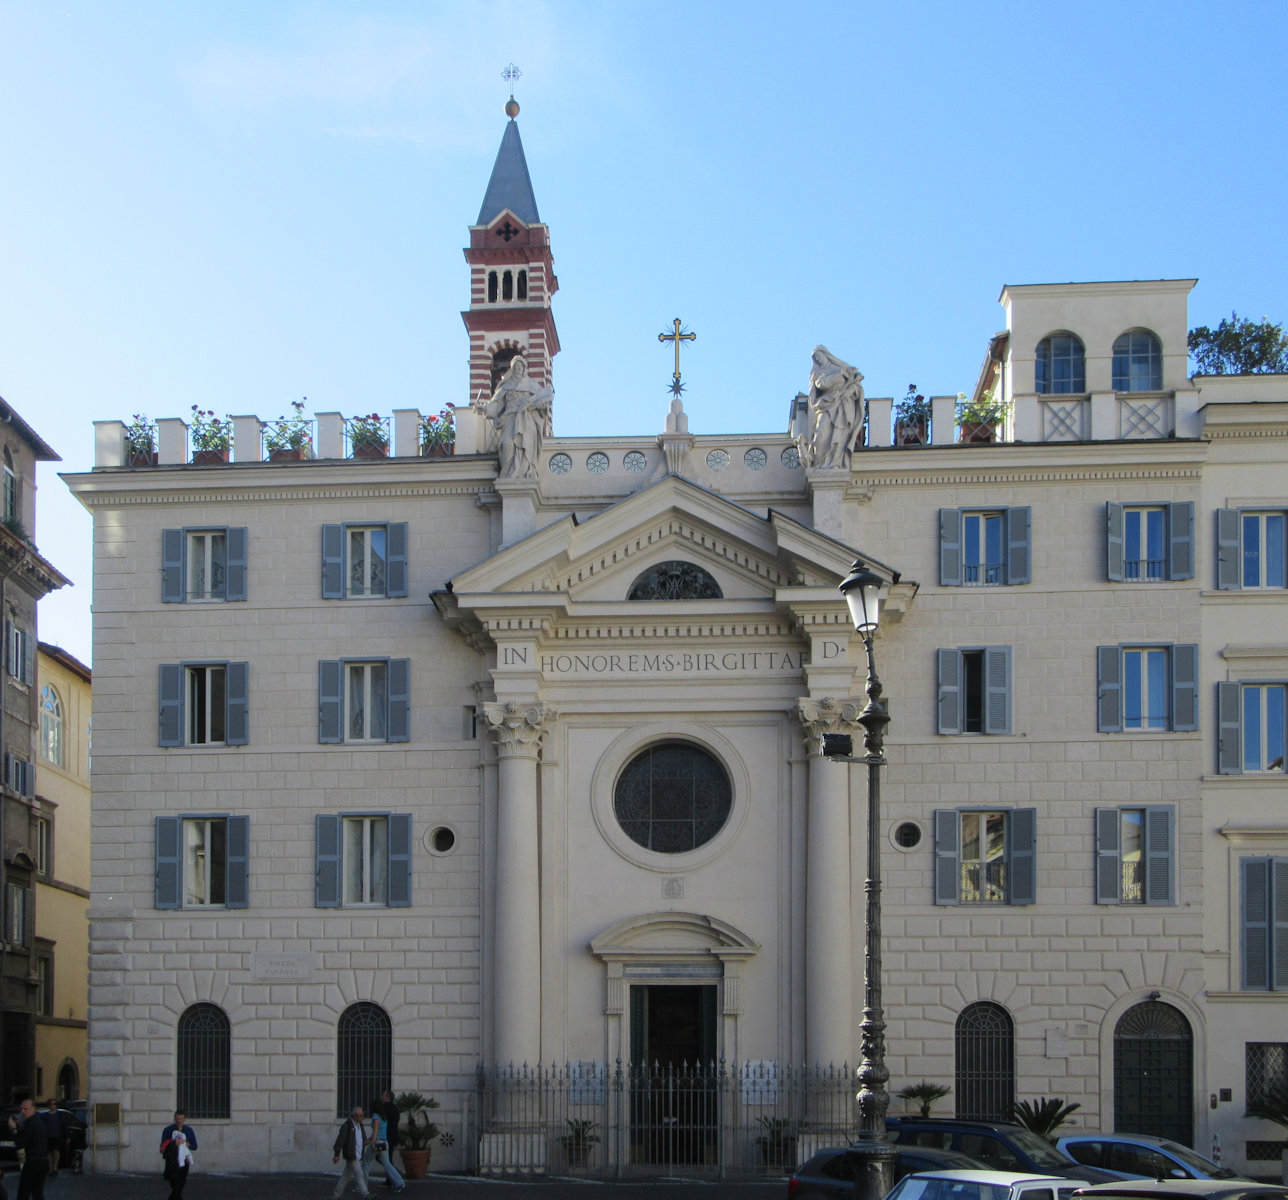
(496,774)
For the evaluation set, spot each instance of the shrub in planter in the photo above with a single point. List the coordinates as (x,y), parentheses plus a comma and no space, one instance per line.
(583,1133)
(438,433)
(416,1132)
(140,442)
(290,438)
(368,436)
(980,418)
(211,437)
(777,1145)
(912,419)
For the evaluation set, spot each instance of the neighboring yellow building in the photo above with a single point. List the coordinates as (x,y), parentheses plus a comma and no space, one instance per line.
(62,877)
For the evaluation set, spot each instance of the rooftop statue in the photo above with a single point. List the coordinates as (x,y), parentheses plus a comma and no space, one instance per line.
(520,412)
(835,412)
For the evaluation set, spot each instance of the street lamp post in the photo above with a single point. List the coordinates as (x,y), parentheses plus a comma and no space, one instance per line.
(875,1154)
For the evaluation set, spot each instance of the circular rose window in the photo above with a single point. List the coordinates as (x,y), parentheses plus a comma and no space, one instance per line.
(672,798)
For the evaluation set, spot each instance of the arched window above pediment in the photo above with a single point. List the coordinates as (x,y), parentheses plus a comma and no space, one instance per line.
(675,579)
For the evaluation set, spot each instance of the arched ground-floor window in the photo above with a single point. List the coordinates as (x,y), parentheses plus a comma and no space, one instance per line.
(985,1051)
(203,1074)
(364,1056)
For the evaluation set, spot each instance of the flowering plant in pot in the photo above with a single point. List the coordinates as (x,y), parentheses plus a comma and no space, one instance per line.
(438,433)
(211,437)
(416,1132)
(140,442)
(290,437)
(979,419)
(368,436)
(912,419)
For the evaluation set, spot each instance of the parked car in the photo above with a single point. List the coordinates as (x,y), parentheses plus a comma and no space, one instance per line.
(983,1185)
(1141,1156)
(1183,1189)
(1000,1145)
(832,1172)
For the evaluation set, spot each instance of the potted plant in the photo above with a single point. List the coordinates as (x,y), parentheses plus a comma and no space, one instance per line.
(912,419)
(416,1132)
(583,1133)
(1044,1116)
(368,436)
(924,1094)
(979,419)
(211,437)
(438,433)
(777,1144)
(290,439)
(140,442)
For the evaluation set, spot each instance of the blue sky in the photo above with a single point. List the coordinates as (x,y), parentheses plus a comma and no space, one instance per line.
(237,205)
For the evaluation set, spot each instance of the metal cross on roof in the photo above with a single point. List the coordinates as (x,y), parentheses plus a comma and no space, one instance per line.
(510,74)
(677,335)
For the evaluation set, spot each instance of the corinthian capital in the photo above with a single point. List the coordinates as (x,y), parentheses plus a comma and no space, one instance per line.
(517,728)
(826,716)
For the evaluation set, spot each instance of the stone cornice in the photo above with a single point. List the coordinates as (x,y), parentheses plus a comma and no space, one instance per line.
(1240,834)
(673,630)
(25,565)
(995,472)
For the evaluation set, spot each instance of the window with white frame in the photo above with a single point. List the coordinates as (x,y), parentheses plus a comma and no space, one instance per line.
(364,700)
(974,690)
(18,914)
(44,847)
(1264,903)
(202,861)
(985,856)
(364,560)
(1252,719)
(20,774)
(1252,548)
(363,859)
(44,998)
(51,725)
(981,547)
(1059,365)
(20,653)
(202,565)
(1137,362)
(1150,542)
(1135,855)
(204,704)
(1147,688)
(10,489)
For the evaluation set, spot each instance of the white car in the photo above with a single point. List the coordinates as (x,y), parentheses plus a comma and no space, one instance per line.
(982,1185)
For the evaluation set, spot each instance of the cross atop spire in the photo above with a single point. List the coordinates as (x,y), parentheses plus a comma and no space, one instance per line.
(677,334)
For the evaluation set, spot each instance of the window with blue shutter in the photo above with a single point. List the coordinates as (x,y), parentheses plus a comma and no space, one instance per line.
(364,560)
(168,830)
(330,702)
(363,860)
(1149,542)
(1252,727)
(364,700)
(170,719)
(1135,855)
(327,861)
(1142,688)
(237,884)
(983,547)
(203,563)
(202,862)
(974,690)
(1022,840)
(172,587)
(1180,533)
(399,860)
(1252,549)
(985,857)
(1264,904)
(203,704)
(950,547)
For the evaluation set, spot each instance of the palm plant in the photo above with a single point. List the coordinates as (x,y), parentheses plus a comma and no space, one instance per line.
(1044,1116)
(1272,1106)
(924,1094)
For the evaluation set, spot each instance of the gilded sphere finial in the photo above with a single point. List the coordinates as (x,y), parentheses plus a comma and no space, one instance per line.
(511,108)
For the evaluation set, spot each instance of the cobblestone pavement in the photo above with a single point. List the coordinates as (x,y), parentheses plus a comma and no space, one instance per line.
(438,1187)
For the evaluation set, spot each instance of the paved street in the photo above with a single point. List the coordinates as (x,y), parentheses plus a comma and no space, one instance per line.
(439,1187)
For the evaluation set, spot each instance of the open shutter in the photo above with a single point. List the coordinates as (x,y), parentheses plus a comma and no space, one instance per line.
(950,547)
(997,689)
(168,830)
(948,869)
(1229,719)
(235,563)
(1228,575)
(1114,546)
(950,691)
(170,690)
(1255,889)
(1279,924)
(237,881)
(330,701)
(1109,689)
(28,658)
(172,584)
(1108,856)
(1023,855)
(1180,535)
(237,704)
(332,562)
(326,888)
(29,780)
(1018,553)
(1185,688)
(398,679)
(1160,855)
(396,559)
(9,649)
(399,860)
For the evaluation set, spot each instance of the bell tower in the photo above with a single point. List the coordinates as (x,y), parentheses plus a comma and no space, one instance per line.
(511,274)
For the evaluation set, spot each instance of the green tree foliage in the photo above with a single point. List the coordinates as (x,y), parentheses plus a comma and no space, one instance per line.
(1239,347)
(1044,1116)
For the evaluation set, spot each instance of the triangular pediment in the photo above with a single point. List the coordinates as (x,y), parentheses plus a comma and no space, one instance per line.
(751,557)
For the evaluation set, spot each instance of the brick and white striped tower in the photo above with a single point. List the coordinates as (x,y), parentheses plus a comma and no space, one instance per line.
(511,274)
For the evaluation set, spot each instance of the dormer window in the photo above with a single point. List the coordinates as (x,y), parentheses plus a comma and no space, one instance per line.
(1059,366)
(1138,362)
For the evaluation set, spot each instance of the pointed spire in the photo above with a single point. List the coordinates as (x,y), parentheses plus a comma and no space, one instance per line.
(510,186)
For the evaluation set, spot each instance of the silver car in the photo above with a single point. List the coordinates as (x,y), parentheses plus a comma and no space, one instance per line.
(982,1185)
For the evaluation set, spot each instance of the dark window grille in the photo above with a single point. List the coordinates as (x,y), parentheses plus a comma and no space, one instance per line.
(204,1075)
(985,1046)
(364,1056)
(1267,1069)
(672,798)
(675,579)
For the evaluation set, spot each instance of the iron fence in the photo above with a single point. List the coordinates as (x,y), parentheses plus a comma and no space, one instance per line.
(633,1119)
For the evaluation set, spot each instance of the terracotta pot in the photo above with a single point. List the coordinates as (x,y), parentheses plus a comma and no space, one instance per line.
(370,450)
(983,431)
(578,1154)
(287,454)
(142,458)
(206,458)
(415,1162)
(437,451)
(911,433)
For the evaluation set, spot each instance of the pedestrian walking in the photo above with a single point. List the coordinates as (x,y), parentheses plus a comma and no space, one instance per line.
(30,1136)
(382,1147)
(178,1141)
(349,1145)
(56,1130)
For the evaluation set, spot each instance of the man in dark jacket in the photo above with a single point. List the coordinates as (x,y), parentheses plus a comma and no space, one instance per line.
(57,1131)
(29,1135)
(349,1143)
